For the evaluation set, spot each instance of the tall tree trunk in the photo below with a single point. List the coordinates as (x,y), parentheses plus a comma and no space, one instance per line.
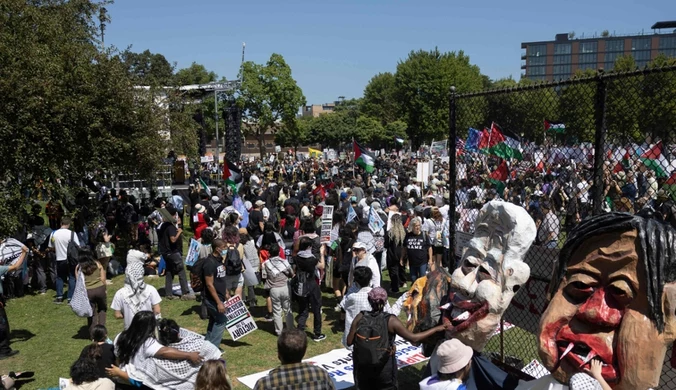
(261,146)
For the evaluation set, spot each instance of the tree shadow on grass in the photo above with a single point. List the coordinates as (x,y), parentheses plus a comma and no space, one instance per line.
(20,382)
(193,309)
(82,333)
(21,335)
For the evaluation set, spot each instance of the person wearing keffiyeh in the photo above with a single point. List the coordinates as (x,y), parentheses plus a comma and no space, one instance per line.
(136,295)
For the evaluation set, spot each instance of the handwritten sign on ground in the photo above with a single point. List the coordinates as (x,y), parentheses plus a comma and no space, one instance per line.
(338,363)
(239,322)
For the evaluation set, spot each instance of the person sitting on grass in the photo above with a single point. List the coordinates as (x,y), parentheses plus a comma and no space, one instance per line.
(104,353)
(85,374)
(213,376)
(137,344)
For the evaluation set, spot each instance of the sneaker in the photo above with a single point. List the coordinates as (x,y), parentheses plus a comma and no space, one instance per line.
(109,282)
(58,301)
(9,354)
(42,292)
(318,337)
(69,301)
(268,318)
(188,297)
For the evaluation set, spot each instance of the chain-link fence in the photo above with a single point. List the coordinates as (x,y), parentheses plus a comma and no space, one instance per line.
(563,150)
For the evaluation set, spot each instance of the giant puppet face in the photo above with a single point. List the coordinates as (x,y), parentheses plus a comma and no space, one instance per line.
(614,288)
(491,271)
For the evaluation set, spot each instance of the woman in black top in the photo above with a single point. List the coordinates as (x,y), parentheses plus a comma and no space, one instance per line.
(394,244)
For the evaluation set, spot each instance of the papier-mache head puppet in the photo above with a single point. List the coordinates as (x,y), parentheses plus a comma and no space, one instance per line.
(612,298)
(491,271)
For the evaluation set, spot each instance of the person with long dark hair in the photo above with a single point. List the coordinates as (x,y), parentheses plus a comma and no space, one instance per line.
(138,343)
(85,374)
(95,282)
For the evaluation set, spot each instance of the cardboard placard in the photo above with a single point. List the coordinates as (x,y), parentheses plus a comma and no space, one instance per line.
(193,252)
(239,321)
(327,224)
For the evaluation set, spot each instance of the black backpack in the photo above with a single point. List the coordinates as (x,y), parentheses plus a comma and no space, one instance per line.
(233,262)
(197,276)
(72,251)
(299,284)
(372,345)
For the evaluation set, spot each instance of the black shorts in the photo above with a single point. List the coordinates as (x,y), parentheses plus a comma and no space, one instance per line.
(438,250)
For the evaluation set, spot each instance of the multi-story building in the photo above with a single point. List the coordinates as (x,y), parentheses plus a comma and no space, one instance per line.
(317,109)
(561,58)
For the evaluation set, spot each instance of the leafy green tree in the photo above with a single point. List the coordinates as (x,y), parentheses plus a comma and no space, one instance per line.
(658,93)
(369,131)
(623,104)
(269,96)
(380,99)
(294,133)
(69,109)
(194,74)
(577,108)
(423,84)
(147,68)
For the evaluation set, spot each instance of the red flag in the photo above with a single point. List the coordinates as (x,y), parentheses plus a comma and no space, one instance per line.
(496,135)
(502,173)
(484,139)
(226,171)
(319,191)
(672,179)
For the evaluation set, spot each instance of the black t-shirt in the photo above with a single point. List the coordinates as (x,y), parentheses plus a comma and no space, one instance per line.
(105,361)
(255,218)
(213,266)
(165,245)
(417,248)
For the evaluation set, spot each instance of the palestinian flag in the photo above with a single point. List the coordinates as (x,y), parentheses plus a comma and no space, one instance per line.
(654,160)
(363,158)
(205,187)
(557,127)
(624,164)
(232,175)
(501,145)
(499,177)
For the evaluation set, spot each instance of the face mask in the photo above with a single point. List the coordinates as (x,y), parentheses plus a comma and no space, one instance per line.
(224,252)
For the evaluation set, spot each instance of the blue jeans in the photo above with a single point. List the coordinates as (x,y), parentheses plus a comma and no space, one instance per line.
(553,244)
(216,326)
(418,272)
(65,273)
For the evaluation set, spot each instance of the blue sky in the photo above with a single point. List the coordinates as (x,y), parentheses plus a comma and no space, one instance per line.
(335,47)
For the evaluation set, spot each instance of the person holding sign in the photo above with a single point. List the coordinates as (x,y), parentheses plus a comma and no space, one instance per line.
(214,280)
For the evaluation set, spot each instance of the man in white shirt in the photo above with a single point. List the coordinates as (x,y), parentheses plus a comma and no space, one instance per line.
(357,301)
(65,273)
(362,258)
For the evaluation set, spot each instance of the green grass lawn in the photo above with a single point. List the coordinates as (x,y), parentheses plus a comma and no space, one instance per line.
(50,337)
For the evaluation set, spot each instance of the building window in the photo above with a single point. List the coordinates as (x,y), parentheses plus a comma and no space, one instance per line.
(327,108)
(590,58)
(641,55)
(536,71)
(640,43)
(536,78)
(668,52)
(615,45)
(562,69)
(611,57)
(587,66)
(559,77)
(564,59)
(534,61)
(537,50)
(562,48)
(588,47)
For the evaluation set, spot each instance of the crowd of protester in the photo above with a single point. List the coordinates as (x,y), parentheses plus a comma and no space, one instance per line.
(266,234)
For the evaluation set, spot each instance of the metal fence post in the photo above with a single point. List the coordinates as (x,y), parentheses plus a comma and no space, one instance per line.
(452,131)
(599,143)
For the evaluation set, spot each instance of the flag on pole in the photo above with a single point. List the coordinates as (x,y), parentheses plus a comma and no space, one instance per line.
(316,153)
(472,143)
(399,140)
(363,158)
(502,146)
(205,187)
(351,214)
(655,160)
(557,127)
(499,177)
(232,175)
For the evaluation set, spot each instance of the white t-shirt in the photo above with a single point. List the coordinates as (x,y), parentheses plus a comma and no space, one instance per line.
(59,241)
(147,350)
(120,304)
(10,251)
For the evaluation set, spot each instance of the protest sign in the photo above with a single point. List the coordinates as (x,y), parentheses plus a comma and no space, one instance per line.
(238,319)
(351,214)
(327,224)
(193,252)
(375,222)
(338,363)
